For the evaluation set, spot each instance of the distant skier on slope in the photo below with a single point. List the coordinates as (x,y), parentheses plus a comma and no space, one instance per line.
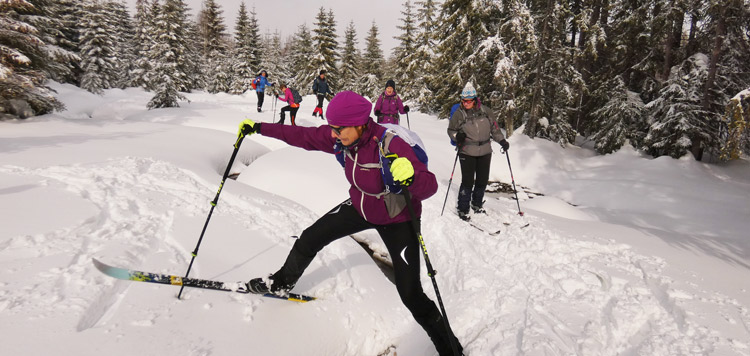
(368,207)
(292,106)
(472,127)
(320,88)
(261,81)
(389,105)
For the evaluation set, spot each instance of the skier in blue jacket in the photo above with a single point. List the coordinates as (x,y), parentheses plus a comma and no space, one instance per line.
(261,81)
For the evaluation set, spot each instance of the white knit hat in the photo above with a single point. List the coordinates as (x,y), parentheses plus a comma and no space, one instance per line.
(469,92)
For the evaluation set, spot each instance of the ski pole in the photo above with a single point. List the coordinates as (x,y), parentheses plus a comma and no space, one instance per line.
(213,205)
(458,149)
(514,184)
(407,121)
(275,99)
(430,271)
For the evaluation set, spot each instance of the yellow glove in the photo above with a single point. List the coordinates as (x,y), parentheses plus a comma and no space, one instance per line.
(402,171)
(248,127)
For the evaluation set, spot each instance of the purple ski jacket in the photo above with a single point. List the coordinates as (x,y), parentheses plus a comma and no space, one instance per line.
(365,183)
(389,106)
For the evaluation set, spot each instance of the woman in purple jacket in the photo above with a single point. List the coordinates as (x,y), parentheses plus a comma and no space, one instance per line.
(389,105)
(369,206)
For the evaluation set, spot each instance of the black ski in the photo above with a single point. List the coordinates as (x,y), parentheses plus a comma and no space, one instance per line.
(138,276)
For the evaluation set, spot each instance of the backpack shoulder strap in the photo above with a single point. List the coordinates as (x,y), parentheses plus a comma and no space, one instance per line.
(385,142)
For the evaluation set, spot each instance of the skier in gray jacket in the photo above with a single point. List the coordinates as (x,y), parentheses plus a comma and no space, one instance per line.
(472,127)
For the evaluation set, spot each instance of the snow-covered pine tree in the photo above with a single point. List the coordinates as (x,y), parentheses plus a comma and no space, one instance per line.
(462,27)
(57,24)
(677,115)
(518,37)
(405,54)
(144,41)
(271,59)
(371,81)
(242,56)
(194,62)
(22,63)
(304,69)
(628,32)
(587,33)
(349,70)
(727,21)
(420,64)
(556,80)
(326,46)
(613,122)
(165,56)
(98,49)
(255,41)
(119,20)
(215,48)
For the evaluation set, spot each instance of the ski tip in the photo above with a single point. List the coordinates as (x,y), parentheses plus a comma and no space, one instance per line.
(98,264)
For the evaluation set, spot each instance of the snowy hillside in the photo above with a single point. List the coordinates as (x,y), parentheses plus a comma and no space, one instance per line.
(623,255)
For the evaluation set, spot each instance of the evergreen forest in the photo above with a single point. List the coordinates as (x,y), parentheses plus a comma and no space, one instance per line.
(669,77)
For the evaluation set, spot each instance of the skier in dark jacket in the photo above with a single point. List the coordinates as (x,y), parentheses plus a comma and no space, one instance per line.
(472,127)
(369,206)
(389,105)
(320,89)
(261,81)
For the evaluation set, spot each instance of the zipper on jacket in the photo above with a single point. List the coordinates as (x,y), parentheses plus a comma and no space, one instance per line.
(361,193)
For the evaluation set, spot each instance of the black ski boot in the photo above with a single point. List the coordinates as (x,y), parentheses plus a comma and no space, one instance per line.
(434,325)
(282,282)
(464,215)
(478,208)
(258,286)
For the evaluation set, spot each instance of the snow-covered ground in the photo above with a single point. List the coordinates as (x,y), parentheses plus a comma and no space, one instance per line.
(624,255)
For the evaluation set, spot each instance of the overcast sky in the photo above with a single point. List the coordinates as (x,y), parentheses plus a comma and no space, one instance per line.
(287,15)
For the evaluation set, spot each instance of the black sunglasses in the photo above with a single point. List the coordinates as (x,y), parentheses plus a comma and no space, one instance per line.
(337,130)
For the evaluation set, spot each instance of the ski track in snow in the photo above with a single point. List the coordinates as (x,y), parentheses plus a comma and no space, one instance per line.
(560,295)
(135,199)
(619,301)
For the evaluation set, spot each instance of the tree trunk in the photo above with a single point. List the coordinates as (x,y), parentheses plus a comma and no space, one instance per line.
(534,108)
(721,31)
(692,43)
(672,42)
(573,26)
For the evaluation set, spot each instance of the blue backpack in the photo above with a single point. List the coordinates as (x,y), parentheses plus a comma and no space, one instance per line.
(453,110)
(392,130)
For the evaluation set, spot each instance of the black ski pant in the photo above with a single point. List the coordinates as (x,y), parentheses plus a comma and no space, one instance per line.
(403,247)
(320,100)
(292,114)
(261,97)
(475,173)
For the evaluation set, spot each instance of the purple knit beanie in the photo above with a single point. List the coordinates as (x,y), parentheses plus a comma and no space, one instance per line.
(348,108)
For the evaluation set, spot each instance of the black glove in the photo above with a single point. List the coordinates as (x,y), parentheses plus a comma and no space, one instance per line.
(248,127)
(406,108)
(377,113)
(504,144)
(276,95)
(460,138)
